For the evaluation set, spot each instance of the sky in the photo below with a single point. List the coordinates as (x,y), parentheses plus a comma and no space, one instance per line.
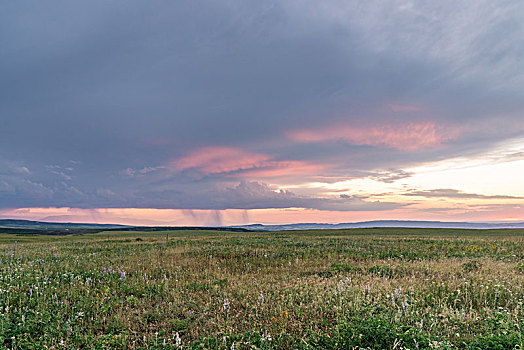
(234,112)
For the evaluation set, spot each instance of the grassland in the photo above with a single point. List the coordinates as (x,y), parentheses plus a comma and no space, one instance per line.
(339,289)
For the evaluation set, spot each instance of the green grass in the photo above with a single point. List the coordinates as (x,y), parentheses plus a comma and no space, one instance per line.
(333,289)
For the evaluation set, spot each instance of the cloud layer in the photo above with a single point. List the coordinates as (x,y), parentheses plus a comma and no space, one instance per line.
(251,105)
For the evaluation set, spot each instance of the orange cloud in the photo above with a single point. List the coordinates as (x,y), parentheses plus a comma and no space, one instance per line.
(405,137)
(227,160)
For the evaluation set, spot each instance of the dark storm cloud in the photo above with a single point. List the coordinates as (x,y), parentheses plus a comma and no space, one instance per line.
(98,99)
(249,195)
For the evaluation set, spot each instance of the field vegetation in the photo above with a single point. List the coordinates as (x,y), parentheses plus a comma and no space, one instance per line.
(331,289)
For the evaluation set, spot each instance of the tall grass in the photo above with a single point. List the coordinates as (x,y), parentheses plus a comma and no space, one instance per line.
(349,289)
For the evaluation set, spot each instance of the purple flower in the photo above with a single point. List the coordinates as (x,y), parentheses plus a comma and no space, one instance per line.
(122,274)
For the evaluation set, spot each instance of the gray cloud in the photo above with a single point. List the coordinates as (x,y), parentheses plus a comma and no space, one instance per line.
(391,175)
(97,97)
(256,195)
(451,193)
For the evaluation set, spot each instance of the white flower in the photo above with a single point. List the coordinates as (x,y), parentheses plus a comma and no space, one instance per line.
(343,285)
(178,341)
(226,305)
(266,336)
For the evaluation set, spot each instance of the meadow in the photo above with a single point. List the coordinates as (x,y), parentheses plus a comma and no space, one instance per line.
(330,289)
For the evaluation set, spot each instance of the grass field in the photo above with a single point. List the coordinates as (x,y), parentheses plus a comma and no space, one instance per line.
(343,289)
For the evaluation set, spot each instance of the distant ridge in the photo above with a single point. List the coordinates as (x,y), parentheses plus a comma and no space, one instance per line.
(13,226)
(387,223)
(10,224)
(41,225)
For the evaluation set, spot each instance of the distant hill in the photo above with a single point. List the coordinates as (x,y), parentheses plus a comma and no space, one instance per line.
(28,226)
(40,225)
(12,226)
(386,223)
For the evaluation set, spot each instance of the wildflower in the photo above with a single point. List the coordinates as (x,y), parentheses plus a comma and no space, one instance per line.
(405,305)
(261,297)
(296,261)
(178,341)
(266,336)
(226,305)
(342,285)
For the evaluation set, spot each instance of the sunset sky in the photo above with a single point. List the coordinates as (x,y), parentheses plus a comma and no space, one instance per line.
(245,111)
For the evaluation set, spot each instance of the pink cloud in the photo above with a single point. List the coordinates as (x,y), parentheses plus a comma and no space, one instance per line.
(228,160)
(216,160)
(284,168)
(405,137)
